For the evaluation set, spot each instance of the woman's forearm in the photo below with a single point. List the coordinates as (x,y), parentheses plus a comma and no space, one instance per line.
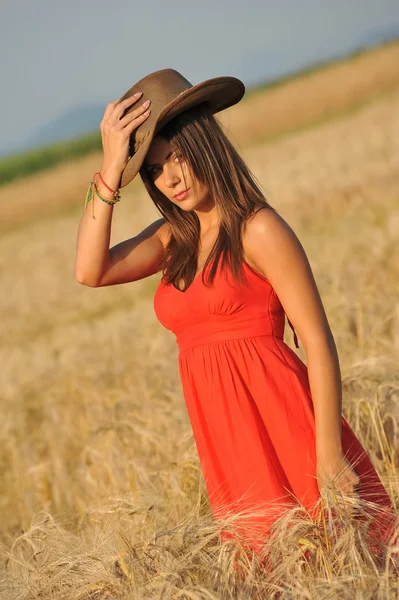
(92,248)
(326,389)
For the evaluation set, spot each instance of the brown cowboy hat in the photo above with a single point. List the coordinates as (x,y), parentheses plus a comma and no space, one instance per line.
(170,94)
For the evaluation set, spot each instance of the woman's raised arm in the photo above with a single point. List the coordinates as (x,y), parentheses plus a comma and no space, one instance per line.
(94,259)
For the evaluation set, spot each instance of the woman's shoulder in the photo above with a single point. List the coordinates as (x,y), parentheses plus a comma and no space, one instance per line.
(266,230)
(262,217)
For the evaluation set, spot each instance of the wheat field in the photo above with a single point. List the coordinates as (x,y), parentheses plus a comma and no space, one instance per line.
(102,495)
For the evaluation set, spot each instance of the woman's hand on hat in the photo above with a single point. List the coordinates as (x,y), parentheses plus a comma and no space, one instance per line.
(116,129)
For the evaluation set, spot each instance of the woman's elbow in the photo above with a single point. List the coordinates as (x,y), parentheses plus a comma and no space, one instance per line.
(83,279)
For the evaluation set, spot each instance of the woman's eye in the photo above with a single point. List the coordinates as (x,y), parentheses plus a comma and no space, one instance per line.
(152,171)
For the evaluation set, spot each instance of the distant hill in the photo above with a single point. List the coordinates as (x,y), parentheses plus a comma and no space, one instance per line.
(76,122)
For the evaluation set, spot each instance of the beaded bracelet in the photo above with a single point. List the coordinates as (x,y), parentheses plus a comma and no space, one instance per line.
(90,196)
(114,194)
(106,200)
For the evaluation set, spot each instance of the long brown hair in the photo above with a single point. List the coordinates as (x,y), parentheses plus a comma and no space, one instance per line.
(212,159)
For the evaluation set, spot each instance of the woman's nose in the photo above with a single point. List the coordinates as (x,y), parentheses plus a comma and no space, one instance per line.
(171,175)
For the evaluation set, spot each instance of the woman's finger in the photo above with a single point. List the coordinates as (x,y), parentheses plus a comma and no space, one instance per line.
(122,106)
(134,114)
(136,122)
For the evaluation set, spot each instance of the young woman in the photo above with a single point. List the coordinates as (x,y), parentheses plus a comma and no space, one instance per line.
(269,429)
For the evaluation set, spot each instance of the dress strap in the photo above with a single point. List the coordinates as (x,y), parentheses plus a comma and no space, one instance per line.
(295,335)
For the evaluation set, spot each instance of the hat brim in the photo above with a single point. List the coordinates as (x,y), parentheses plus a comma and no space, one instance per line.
(219,93)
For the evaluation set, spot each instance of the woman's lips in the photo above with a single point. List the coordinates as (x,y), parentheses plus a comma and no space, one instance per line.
(182,195)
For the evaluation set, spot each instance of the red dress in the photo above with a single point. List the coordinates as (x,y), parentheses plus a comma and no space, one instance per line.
(249,401)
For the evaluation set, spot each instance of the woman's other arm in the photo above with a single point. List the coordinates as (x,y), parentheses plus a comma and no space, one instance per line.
(274,247)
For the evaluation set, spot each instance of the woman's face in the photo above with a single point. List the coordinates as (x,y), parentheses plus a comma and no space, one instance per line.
(170,175)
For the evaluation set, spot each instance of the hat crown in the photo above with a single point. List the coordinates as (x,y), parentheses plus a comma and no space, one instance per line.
(168,83)
(161,87)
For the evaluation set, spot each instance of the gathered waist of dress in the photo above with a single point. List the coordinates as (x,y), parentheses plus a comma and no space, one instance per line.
(219,328)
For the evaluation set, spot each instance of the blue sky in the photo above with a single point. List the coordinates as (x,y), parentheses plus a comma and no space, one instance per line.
(57,55)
